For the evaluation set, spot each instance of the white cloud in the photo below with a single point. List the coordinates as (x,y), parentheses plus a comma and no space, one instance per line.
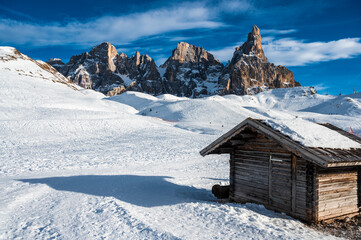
(321,87)
(115,29)
(294,52)
(224,54)
(278,31)
(234,6)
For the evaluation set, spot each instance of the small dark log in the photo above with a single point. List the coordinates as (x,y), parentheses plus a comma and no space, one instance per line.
(220,191)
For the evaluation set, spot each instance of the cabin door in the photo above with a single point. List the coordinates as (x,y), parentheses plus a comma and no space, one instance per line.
(280,182)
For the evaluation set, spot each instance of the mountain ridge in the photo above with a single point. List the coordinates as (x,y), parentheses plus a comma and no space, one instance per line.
(190,71)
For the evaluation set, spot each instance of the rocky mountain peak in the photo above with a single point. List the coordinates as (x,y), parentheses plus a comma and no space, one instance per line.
(140,59)
(122,55)
(255,32)
(190,71)
(137,57)
(253,45)
(104,49)
(185,52)
(55,62)
(250,72)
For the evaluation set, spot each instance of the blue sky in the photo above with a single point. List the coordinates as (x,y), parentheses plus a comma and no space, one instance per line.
(320,41)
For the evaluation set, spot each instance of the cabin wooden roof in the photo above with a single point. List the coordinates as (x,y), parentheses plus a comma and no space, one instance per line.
(324,157)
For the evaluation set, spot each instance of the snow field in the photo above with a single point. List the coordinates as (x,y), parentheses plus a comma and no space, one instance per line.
(77,165)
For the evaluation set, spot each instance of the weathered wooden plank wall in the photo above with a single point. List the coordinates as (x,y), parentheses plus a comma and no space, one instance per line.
(310,192)
(301,208)
(251,176)
(337,192)
(264,172)
(280,187)
(359,186)
(261,172)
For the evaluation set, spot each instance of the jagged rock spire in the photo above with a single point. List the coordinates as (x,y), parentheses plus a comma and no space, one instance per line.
(253,45)
(104,49)
(250,72)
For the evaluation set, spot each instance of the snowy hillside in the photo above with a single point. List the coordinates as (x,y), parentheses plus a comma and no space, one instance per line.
(78,165)
(342,105)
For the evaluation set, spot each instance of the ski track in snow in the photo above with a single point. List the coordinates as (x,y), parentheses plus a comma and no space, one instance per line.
(77,165)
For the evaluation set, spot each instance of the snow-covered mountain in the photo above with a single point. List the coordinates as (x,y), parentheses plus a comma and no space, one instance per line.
(191,71)
(15,63)
(76,164)
(250,72)
(106,71)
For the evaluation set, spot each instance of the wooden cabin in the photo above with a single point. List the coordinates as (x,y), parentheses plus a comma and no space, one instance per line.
(308,183)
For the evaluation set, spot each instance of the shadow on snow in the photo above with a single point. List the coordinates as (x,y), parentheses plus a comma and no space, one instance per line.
(146,191)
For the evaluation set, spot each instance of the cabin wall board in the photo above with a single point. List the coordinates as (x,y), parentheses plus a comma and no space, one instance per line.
(231,176)
(310,192)
(359,186)
(301,208)
(337,192)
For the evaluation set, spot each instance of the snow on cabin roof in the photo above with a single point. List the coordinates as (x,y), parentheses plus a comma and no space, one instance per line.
(311,134)
(323,144)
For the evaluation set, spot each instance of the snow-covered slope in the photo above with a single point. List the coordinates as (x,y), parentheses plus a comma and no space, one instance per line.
(342,105)
(77,165)
(217,114)
(15,63)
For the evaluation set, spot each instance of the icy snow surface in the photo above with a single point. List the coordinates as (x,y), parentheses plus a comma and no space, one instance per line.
(78,165)
(311,134)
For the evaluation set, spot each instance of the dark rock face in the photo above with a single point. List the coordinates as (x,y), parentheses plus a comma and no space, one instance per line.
(191,71)
(250,72)
(55,62)
(106,71)
(94,70)
(144,71)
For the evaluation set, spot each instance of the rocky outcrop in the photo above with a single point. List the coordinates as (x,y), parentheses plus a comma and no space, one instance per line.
(94,70)
(106,71)
(143,70)
(250,72)
(191,71)
(56,63)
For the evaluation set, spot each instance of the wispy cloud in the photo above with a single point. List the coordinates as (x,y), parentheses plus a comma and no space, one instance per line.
(293,52)
(321,87)
(234,7)
(116,29)
(17,13)
(278,31)
(224,54)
